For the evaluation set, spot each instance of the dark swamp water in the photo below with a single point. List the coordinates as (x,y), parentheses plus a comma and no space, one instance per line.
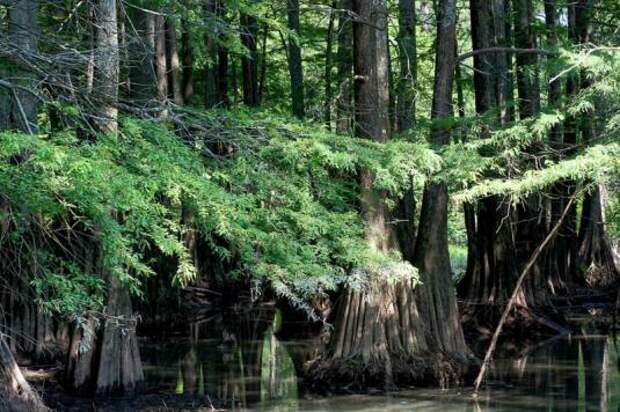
(249,366)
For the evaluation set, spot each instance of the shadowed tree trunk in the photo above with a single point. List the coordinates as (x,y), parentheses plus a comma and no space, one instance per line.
(344,57)
(222,62)
(172,62)
(143,81)
(294,60)
(491,264)
(329,94)
(408,61)
(404,214)
(188,65)
(18,106)
(249,62)
(210,70)
(531,212)
(594,255)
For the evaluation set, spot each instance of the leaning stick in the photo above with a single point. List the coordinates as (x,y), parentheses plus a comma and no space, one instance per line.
(515,292)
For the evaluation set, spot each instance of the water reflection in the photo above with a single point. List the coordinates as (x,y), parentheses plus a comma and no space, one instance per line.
(248,367)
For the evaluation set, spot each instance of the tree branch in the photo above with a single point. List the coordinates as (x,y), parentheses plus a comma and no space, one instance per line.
(515,293)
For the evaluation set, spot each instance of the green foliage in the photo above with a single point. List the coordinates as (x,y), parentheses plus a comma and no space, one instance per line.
(282,207)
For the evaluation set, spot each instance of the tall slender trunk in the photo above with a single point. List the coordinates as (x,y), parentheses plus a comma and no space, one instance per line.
(294,61)
(527,73)
(210,70)
(405,211)
(329,94)
(557,257)
(160,57)
(408,62)
(143,80)
(222,61)
(531,212)
(188,65)
(107,64)
(249,61)
(18,107)
(264,63)
(344,57)
(172,54)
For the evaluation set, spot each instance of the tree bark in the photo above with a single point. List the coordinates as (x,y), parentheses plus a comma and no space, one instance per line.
(18,107)
(594,255)
(527,73)
(294,61)
(172,62)
(437,299)
(408,62)
(344,57)
(143,81)
(120,367)
(188,65)
(211,67)
(491,263)
(222,62)
(249,62)
(329,94)
(107,64)
(160,57)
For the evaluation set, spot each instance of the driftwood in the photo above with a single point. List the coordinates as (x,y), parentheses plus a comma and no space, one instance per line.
(515,294)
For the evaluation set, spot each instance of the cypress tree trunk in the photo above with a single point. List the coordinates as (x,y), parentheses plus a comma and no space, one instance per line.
(222,62)
(160,57)
(437,299)
(594,256)
(408,62)
(107,63)
(531,212)
(249,63)
(491,263)
(18,107)
(210,70)
(103,354)
(172,62)
(329,94)
(380,335)
(344,57)
(188,65)
(143,81)
(558,257)
(404,214)
(294,61)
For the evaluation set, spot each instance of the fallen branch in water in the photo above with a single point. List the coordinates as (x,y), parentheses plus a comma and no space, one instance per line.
(515,293)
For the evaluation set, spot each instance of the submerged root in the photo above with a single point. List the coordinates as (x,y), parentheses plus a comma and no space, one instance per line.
(354,374)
